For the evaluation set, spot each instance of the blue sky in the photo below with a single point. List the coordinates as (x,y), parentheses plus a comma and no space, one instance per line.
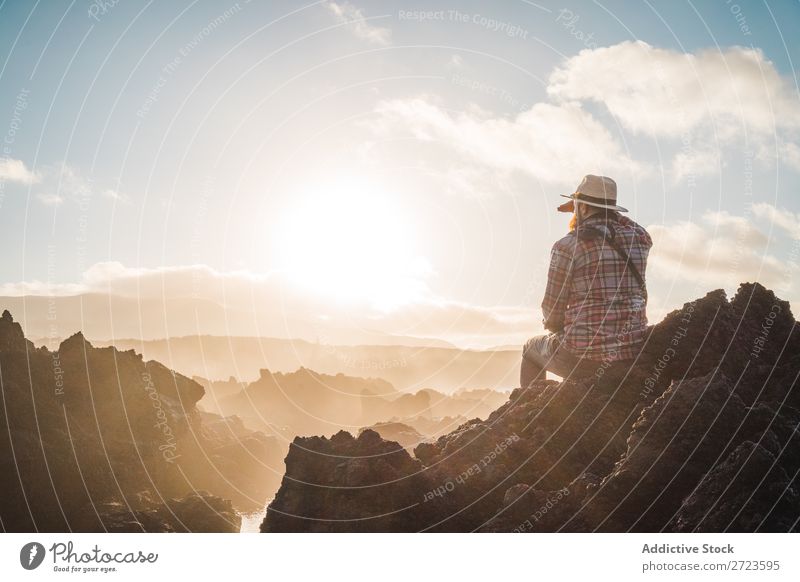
(396,160)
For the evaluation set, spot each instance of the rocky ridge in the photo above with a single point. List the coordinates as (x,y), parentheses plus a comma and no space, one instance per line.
(97,439)
(699,434)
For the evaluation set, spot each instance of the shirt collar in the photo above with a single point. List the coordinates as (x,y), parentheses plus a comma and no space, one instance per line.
(594,218)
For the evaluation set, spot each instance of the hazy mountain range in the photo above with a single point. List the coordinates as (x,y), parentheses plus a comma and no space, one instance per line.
(102,316)
(101,439)
(167,331)
(407,368)
(306,402)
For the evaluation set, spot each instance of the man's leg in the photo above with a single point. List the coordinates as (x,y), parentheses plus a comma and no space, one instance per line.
(535,357)
(528,372)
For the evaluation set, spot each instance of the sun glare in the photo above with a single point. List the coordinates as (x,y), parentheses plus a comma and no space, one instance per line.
(351,241)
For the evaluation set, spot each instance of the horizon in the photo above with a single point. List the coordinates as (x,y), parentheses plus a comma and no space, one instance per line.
(224,179)
(386,340)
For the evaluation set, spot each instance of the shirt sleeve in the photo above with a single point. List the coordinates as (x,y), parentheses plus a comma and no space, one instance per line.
(641,232)
(556,294)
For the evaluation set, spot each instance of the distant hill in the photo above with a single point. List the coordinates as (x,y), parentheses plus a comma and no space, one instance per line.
(102,316)
(407,368)
(306,402)
(302,402)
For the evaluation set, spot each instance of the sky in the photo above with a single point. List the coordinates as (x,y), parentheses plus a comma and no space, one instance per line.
(389,166)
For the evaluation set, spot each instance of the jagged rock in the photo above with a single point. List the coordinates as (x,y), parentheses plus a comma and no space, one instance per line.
(363,484)
(82,427)
(398,432)
(748,492)
(671,446)
(644,447)
(199,512)
(11,336)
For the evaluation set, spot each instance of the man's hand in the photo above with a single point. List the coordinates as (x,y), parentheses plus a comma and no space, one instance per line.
(554,326)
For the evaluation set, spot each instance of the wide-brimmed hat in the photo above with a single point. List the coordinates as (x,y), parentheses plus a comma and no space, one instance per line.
(599,191)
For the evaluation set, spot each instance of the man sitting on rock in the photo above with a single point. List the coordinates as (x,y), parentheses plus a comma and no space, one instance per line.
(596,298)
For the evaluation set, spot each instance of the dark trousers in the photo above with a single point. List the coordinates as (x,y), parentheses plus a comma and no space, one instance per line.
(544,352)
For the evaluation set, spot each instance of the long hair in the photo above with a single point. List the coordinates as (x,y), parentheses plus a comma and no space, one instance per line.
(604,213)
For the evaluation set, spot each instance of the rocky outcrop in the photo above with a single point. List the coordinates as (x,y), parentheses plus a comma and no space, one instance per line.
(84,430)
(698,434)
(199,512)
(332,478)
(749,491)
(403,434)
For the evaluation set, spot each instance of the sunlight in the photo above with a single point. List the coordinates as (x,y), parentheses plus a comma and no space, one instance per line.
(351,241)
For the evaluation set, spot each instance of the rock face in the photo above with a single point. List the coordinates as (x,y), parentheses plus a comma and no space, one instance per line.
(343,473)
(403,434)
(88,434)
(199,512)
(698,434)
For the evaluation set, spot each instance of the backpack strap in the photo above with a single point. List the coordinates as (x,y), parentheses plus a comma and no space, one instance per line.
(592,232)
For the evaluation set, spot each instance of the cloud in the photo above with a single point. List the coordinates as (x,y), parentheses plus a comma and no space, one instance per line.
(705,99)
(784,219)
(790,154)
(666,92)
(116,195)
(118,300)
(61,183)
(346,13)
(722,250)
(16,171)
(68,181)
(474,181)
(778,150)
(50,199)
(552,143)
(692,163)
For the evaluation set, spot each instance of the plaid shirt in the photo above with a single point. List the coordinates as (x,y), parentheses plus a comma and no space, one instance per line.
(600,310)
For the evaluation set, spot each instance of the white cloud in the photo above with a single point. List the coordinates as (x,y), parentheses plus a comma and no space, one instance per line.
(116,195)
(700,100)
(782,218)
(50,199)
(192,299)
(666,92)
(553,143)
(790,154)
(474,181)
(61,183)
(456,61)
(722,250)
(347,13)
(739,227)
(16,171)
(778,150)
(68,180)
(693,163)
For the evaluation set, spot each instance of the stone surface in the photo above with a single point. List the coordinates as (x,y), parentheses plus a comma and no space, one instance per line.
(84,427)
(711,401)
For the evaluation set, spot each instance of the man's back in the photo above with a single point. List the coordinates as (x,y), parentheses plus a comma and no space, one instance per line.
(598,303)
